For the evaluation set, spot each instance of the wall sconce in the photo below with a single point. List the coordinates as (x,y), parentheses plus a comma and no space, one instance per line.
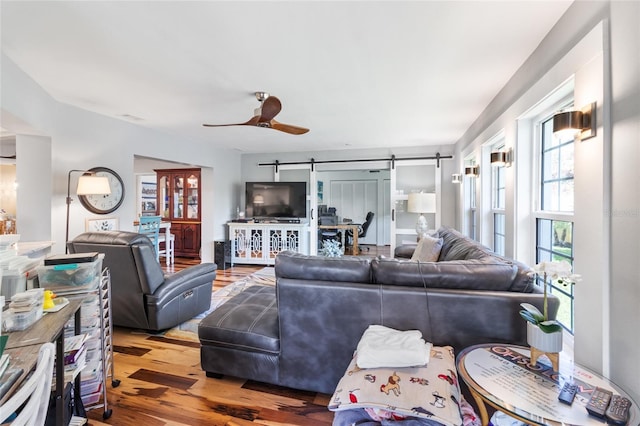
(473,171)
(575,123)
(456,178)
(502,158)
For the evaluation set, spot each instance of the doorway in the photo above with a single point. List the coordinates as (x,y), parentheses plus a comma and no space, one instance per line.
(354,193)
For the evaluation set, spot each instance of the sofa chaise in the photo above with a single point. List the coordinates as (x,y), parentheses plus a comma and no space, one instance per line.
(302,332)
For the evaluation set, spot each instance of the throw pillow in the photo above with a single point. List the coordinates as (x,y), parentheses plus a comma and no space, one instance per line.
(429,392)
(428,249)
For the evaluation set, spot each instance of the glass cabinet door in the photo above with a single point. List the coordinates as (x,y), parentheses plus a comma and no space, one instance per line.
(178,197)
(192,196)
(163,196)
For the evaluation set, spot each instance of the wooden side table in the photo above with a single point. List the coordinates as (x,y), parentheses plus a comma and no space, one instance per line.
(501,376)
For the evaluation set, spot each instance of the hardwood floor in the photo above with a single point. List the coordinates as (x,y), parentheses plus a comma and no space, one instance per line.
(161,382)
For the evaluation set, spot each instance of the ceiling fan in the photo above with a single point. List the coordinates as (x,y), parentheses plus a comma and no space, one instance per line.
(269,107)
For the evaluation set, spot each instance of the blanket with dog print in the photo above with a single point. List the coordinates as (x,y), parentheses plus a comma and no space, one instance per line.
(430,392)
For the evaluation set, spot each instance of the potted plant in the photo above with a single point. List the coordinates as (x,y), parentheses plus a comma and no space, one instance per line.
(543,333)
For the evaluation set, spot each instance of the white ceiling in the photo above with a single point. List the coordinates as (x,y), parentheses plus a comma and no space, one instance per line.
(359,74)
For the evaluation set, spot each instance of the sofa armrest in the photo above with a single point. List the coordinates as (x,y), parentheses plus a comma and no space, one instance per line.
(405,251)
(184,280)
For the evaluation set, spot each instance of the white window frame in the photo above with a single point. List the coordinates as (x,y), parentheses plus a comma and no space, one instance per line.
(471,201)
(498,144)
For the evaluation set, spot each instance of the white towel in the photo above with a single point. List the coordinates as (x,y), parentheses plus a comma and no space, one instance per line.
(382,346)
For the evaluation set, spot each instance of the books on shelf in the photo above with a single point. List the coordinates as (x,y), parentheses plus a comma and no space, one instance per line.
(75,355)
(73,346)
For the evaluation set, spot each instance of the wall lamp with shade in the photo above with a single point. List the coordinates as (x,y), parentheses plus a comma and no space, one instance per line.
(473,171)
(456,178)
(421,202)
(502,158)
(582,123)
(88,184)
(258,199)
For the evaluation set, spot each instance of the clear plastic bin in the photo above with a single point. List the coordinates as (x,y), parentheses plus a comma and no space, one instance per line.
(91,398)
(71,277)
(18,321)
(90,386)
(12,282)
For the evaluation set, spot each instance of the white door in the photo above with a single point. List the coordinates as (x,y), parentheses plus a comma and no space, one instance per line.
(386,216)
(303,173)
(353,199)
(412,176)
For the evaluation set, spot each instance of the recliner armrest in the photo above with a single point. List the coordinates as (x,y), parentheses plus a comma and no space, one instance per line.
(182,281)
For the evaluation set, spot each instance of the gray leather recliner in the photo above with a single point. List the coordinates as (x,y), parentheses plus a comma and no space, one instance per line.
(141,295)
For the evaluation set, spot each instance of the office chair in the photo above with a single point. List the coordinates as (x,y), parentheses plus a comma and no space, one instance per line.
(329,234)
(362,231)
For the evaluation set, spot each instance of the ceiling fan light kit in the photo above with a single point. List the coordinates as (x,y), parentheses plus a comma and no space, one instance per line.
(270,106)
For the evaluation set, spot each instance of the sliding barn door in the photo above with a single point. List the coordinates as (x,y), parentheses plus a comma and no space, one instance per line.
(412,176)
(303,173)
(353,199)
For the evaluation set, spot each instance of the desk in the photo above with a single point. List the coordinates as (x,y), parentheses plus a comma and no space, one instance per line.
(34,249)
(355,229)
(49,328)
(499,375)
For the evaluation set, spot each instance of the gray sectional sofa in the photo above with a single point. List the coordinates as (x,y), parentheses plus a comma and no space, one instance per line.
(302,332)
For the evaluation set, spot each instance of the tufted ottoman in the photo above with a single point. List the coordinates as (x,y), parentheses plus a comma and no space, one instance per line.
(241,337)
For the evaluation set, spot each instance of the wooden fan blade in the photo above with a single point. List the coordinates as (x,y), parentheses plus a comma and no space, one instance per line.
(252,122)
(270,108)
(288,128)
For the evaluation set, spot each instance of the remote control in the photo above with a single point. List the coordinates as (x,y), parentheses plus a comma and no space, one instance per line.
(599,401)
(567,393)
(618,411)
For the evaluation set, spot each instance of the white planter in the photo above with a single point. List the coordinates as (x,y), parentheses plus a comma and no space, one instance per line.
(544,342)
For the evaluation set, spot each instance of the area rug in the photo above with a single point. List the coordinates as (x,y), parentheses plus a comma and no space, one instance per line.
(188,330)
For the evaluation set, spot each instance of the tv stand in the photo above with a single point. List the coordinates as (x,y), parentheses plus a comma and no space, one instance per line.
(277,220)
(259,242)
(288,220)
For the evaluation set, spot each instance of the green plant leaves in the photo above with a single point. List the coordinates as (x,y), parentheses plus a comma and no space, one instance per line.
(535,317)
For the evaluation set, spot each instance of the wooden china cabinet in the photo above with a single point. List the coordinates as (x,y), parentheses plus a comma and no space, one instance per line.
(179,202)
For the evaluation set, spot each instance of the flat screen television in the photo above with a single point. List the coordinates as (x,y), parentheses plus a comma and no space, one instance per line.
(276,199)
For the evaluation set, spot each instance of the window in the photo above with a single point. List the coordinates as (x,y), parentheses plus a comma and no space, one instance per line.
(470,201)
(556,171)
(498,205)
(555,243)
(554,220)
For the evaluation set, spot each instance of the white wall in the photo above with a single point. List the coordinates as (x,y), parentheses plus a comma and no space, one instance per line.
(624,211)
(599,42)
(34,194)
(81,140)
